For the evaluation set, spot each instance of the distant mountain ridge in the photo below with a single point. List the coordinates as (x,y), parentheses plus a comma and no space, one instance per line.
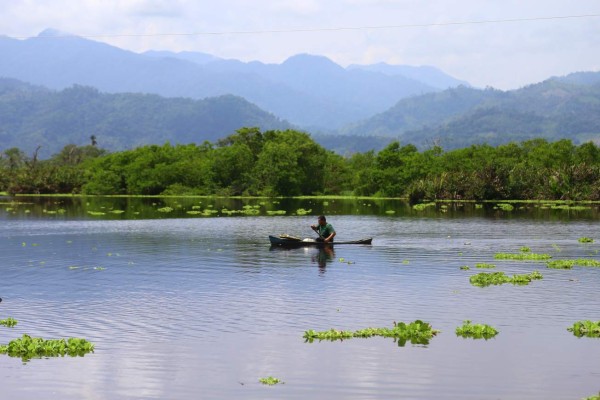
(32,116)
(309,91)
(563,107)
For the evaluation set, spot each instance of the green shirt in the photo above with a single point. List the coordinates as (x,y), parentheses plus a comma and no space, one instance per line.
(325,230)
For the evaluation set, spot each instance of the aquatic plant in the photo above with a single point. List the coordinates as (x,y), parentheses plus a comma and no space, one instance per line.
(417,332)
(465,267)
(28,347)
(594,397)
(587,262)
(561,264)
(586,328)
(521,256)
(505,206)
(525,249)
(8,322)
(269,380)
(302,211)
(484,265)
(423,206)
(585,240)
(476,331)
(276,212)
(165,209)
(569,264)
(486,279)
(96,213)
(498,278)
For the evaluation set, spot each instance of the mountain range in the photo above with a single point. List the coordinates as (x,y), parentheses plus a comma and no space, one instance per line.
(307,90)
(32,116)
(61,89)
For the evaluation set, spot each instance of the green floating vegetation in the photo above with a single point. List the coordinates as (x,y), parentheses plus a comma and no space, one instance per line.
(465,268)
(476,331)
(525,249)
(302,211)
(594,397)
(569,264)
(269,380)
(28,347)
(165,209)
(8,322)
(417,332)
(561,264)
(522,256)
(585,240)
(96,213)
(484,265)
(586,328)
(498,278)
(276,212)
(423,206)
(505,207)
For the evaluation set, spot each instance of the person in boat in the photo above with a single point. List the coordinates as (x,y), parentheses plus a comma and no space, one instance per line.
(324,229)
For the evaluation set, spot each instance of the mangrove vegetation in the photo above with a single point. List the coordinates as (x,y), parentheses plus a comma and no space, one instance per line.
(291,163)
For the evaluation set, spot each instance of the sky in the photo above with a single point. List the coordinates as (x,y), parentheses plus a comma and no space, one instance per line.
(452,35)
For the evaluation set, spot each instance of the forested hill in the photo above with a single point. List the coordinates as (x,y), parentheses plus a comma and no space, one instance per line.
(32,116)
(567,107)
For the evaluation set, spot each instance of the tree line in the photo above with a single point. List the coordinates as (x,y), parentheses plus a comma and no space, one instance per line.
(291,163)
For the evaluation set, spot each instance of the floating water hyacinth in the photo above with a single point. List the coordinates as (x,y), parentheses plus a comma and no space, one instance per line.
(423,206)
(8,322)
(165,209)
(417,332)
(586,328)
(302,211)
(569,264)
(585,240)
(269,380)
(522,256)
(504,207)
(561,264)
(484,265)
(276,212)
(28,347)
(498,278)
(476,331)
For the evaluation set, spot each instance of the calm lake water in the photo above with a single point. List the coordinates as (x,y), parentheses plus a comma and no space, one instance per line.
(185,305)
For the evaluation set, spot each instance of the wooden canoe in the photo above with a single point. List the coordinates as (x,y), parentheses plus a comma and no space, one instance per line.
(286,240)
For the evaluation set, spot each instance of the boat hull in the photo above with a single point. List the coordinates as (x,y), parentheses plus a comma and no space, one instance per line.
(296,242)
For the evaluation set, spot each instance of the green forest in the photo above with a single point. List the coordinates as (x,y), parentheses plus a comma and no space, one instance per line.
(291,163)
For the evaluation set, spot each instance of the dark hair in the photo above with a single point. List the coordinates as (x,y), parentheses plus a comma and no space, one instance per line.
(322,217)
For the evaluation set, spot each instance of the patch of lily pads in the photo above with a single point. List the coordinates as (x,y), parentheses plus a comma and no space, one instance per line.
(476,331)
(499,278)
(586,328)
(417,332)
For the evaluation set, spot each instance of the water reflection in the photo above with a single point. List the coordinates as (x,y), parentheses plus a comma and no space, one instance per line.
(320,255)
(324,256)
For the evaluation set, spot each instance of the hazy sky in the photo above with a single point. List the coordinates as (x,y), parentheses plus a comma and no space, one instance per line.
(505,55)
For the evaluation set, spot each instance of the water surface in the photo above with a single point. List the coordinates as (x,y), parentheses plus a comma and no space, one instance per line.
(185,307)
